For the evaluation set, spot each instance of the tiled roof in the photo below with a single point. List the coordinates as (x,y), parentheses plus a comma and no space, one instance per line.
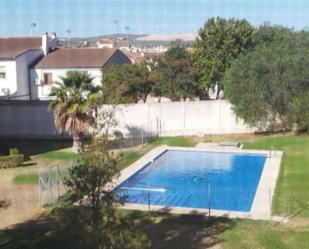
(76,58)
(10,47)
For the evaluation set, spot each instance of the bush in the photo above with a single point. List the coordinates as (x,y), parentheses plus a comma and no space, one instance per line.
(14,151)
(269,86)
(13,160)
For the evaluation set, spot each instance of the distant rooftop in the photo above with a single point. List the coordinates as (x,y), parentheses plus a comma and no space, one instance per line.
(76,58)
(11,47)
(106,41)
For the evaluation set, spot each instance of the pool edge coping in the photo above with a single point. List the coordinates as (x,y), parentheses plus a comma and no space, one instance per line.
(261,207)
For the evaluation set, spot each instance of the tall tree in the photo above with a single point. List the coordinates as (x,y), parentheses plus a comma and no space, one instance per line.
(220,42)
(91,180)
(269,87)
(174,77)
(71,105)
(126,83)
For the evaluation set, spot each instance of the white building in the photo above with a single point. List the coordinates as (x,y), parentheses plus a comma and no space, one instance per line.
(17,55)
(105,43)
(57,63)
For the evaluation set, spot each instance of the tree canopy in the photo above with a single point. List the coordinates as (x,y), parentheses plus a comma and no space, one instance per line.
(98,223)
(126,83)
(269,86)
(174,77)
(220,42)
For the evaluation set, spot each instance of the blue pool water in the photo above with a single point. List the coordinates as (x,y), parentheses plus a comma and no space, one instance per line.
(223,181)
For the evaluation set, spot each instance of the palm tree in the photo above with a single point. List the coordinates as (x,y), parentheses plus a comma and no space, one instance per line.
(72,105)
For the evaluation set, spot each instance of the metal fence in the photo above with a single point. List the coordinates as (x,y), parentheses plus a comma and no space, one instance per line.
(135,136)
(219,201)
(51,184)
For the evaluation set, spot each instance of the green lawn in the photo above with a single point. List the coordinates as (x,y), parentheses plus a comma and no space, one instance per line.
(26,179)
(167,231)
(126,158)
(33,178)
(249,234)
(43,160)
(293,181)
(173,141)
(58,155)
(183,231)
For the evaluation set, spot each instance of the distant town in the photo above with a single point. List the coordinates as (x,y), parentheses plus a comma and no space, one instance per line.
(155,43)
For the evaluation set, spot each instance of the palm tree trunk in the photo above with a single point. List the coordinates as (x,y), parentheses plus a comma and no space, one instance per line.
(77,143)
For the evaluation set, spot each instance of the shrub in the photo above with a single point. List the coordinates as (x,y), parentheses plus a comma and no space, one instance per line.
(12,160)
(269,86)
(14,151)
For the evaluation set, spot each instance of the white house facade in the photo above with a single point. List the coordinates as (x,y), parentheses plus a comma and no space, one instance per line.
(30,65)
(17,56)
(44,79)
(56,64)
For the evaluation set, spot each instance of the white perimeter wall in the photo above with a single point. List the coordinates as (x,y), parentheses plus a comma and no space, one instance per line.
(34,119)
(181,118)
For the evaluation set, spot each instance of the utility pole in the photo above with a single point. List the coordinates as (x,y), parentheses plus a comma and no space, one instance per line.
(69,37)
(127,29)
(33,25)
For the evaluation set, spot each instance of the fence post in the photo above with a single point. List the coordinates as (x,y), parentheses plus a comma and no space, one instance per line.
(209,199)
(50,186)
(270,203)
(58,181)
(131,132)
(290,204)
(39,189)
(142,136)
(148,198)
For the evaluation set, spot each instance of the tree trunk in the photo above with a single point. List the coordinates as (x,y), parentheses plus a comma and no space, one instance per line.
(77,143)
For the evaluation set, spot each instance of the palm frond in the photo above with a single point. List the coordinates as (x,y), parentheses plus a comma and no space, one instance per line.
(75,99)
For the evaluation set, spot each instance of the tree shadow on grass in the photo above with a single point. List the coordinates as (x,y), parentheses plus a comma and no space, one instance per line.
(25,235)
(49,231)
(64,230)
(30,147)
(182,231)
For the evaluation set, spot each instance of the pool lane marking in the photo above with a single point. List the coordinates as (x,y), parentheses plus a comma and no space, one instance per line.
(162,190)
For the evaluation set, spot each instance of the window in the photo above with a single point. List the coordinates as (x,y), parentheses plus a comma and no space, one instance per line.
(48,78)
(2,73)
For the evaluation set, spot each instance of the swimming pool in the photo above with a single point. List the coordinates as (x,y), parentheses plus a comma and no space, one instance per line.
(196,179)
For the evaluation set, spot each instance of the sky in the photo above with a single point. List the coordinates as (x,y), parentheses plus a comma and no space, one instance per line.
(101,17)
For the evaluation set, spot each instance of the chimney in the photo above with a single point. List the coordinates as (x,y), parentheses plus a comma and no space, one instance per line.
(45,43)
(54,35)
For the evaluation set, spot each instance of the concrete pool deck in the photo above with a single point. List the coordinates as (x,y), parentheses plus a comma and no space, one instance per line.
(261,206)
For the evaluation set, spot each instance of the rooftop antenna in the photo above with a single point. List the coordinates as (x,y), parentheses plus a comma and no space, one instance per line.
(116,23)
(127,29)
(33,26)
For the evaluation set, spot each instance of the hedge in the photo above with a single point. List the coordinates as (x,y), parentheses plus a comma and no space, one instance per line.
(13,160)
